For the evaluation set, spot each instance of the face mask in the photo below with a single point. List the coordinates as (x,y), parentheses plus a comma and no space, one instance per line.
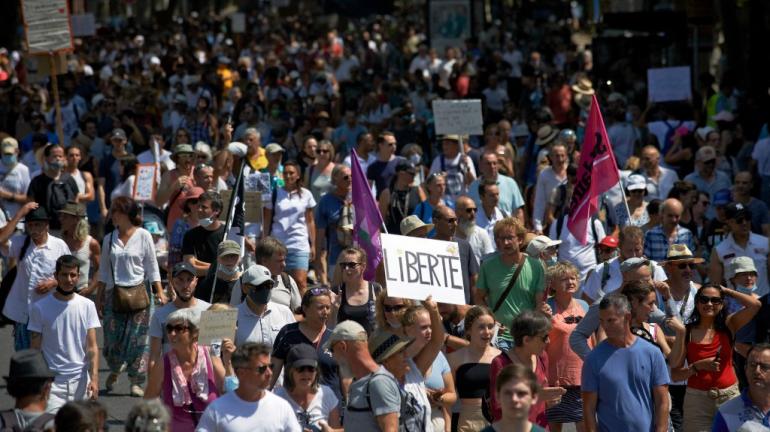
(259,296)
(550,262)
(205,222)
(9,159)
(55,165)
(228,270)
(415,159)
(231,383)
(64,293)
(745,290)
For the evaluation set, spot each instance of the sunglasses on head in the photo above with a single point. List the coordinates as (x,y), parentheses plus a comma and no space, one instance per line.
(394,308)
(573,319)
(706,300)
(349,265)
(435,175)
(318,291)
(178,328)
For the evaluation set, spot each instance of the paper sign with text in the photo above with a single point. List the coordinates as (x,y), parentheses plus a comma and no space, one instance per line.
(217,325)
(47,25)
(669,84)
(461,117)
(144,182)
(417,267)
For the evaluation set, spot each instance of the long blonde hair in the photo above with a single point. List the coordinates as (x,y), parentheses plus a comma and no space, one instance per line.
(81,230)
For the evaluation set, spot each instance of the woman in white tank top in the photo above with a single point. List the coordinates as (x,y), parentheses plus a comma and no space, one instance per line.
(75,233)
(83,179)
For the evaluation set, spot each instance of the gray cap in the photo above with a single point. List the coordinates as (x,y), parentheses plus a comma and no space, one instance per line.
(633,263)
(345,331)
(118,133)
(184,149)
(228,247)
(256,275)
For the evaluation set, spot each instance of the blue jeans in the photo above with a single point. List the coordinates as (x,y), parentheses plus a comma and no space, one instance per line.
(21,339)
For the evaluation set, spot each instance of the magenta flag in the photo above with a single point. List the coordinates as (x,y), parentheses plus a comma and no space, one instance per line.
(368,225)
(597,173)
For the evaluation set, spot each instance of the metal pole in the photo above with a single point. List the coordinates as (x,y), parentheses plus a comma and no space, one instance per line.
(229,220)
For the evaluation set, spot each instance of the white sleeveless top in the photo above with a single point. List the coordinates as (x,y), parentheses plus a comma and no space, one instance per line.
(79,180)
(84,255)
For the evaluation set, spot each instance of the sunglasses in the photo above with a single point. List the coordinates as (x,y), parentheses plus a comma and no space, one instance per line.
(179,328)
(259,369)
(685,266)
(305,369)
(573,319)
(347,177)
(470,210)
(349,265)
(394,308)
(318,291)
(448,220)
(321,151)
(704,300)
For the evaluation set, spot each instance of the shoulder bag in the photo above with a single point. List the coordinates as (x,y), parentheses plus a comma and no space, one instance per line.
(127,299)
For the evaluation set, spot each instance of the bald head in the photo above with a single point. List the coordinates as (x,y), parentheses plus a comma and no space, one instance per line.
(670,213)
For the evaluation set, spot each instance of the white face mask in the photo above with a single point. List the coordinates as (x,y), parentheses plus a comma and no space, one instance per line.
(205,222)
(744,289)
(228,270)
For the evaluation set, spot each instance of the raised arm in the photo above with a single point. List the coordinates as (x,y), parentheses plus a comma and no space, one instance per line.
(750,305)
(425,357)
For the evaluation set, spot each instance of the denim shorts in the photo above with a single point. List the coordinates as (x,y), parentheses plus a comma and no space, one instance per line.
(296,260)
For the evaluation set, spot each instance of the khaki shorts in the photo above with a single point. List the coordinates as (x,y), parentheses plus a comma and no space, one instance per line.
(701,406)
(471,419)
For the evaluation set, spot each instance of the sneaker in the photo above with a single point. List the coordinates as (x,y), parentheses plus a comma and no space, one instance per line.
(111,380)
(136,391)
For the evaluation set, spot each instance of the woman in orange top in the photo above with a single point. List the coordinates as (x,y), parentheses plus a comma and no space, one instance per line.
(709,353)
(564,366)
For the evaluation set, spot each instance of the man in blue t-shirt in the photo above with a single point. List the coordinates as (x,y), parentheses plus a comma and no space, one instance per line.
(625,378)
(334,223)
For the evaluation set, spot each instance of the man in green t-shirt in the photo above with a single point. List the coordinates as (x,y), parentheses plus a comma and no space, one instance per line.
(496,272)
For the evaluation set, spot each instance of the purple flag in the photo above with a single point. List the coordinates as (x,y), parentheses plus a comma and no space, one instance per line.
(366,230)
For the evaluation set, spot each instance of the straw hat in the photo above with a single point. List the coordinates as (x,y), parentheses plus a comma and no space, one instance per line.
(680,253)
(584,87)
(546,134)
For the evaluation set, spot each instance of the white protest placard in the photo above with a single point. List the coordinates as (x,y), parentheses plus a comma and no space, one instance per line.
(47,26)
(238,22)
(669,84)
(417,267)
(144,182)
(83,25)
(460,117)
(217,325)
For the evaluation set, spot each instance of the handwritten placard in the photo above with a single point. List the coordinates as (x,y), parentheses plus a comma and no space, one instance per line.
(47,26)
(144,183)
(461,117)
(217,325)
(669,84)
(417,267)
(252,206)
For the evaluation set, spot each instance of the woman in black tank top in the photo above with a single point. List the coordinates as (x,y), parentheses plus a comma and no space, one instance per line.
(401,198)
(356,297)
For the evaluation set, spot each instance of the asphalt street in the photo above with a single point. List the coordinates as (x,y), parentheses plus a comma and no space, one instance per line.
(118,403)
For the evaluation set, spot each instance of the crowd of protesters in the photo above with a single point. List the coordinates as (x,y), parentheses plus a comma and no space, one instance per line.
(659,321)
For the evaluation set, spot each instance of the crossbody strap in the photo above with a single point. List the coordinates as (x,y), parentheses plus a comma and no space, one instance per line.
(511,282)
(112,267)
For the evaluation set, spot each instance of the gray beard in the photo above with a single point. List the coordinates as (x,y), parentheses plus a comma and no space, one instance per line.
(465,229)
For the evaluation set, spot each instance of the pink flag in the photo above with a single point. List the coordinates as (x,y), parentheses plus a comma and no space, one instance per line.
(596,174)
(368,223)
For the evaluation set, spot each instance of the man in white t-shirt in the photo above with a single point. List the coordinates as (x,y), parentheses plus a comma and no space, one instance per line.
(250,407)
(63,325)
(183,282)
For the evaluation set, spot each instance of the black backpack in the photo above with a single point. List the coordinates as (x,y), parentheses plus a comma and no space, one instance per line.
(10,423)
(60,193)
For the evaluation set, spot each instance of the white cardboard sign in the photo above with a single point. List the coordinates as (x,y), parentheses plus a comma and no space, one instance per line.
(217,325)
(461,117)
(144,182)
(417,267)
(47,25)
(669,84)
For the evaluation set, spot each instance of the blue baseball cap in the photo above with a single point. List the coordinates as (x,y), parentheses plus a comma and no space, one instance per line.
(722,197)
